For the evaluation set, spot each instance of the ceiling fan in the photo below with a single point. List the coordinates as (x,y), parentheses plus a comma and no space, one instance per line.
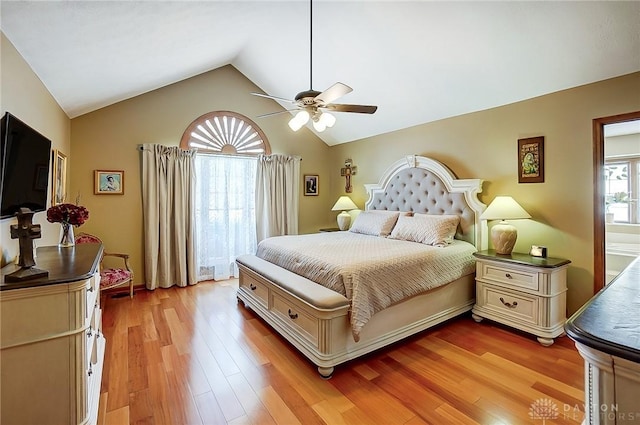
(314,104)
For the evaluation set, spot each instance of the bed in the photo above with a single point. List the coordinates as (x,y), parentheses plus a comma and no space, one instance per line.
(339,295)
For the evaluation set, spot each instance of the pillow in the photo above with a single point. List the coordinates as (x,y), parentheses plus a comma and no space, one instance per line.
(375,223)
(436,230)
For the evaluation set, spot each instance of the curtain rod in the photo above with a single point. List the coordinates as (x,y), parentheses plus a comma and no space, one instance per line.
(141,148)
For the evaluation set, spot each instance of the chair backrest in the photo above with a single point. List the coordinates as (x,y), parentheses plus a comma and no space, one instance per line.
(87,238)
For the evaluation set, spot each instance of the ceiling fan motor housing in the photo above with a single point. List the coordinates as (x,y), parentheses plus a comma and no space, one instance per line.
(307,97)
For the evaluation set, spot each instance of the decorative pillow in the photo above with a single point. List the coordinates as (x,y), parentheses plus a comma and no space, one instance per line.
(375,223)
(436,230)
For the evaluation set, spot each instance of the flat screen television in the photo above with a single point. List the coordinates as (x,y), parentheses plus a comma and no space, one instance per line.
(25,156)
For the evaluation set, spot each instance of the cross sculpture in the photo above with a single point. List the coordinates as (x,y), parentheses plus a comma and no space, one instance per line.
(25,232)
(346,172)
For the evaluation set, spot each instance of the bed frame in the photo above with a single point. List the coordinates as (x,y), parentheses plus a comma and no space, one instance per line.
(315,319)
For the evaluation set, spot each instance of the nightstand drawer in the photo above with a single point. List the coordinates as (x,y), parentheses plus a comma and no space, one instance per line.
(514,304)
(511,276)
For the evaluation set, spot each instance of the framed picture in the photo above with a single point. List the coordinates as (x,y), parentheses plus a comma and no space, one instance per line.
(108,182)
(531,160)
(58,177)
(310,185)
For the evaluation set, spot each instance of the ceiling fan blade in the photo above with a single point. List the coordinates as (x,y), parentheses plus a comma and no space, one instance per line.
(361,109)
(273,97)
(275,113)
(332,93)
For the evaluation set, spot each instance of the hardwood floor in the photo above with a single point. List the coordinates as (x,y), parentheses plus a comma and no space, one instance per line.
(196,356)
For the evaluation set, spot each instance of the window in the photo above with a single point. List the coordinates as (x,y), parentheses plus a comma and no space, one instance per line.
(228,145)
(225,132)
(622,186)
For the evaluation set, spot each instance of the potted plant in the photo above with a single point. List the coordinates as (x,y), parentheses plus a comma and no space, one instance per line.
(616,198)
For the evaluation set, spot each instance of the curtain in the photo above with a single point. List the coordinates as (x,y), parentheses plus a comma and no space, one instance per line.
(167,199)
(277,193)
(225,213)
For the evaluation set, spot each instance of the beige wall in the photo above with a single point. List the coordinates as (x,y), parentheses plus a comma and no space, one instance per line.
(484,145)
(23,94)
(107,139)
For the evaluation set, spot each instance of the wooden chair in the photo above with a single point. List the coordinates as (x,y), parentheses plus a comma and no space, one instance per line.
(110,278)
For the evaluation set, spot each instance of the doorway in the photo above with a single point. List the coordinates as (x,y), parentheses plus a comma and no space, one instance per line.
(600,194)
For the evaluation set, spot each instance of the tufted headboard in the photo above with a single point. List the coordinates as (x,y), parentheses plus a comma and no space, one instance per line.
(423,185)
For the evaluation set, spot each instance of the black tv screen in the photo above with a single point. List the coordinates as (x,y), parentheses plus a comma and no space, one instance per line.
(25,155)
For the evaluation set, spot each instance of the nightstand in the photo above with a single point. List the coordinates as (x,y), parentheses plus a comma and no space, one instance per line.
(521,291)
(329,229)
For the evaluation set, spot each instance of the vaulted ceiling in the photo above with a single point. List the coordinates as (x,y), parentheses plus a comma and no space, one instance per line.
(419,61)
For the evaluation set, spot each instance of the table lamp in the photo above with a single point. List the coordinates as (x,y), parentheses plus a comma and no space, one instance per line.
(504,235)
(344,204)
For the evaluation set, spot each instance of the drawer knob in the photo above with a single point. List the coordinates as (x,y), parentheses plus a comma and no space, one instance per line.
(90,289)
(509,305)
(252,286)
(292,315)
(89,332)
(90,372)
(508,275)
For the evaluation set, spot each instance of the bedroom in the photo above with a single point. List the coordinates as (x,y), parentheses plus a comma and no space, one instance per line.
(562,207)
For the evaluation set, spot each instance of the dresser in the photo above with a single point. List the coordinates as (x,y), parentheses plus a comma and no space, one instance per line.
(521,291)
(51,342)
(606,331)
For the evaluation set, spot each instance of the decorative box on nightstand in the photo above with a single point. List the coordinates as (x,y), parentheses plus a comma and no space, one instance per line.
(521,291)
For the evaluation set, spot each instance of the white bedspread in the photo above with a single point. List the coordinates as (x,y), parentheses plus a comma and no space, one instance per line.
(373,272)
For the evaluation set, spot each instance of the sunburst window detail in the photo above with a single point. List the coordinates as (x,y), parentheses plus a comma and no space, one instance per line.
(225,132)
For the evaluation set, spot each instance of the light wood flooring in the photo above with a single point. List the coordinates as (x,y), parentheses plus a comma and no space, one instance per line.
(196,356)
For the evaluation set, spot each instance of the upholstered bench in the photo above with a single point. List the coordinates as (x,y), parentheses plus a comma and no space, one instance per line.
(299,286)
(305,313)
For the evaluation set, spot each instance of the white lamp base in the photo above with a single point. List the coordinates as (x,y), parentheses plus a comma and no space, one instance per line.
(344,219)
(503,236)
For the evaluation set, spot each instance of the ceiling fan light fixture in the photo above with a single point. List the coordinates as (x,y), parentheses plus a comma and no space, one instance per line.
(300,119)
(328,119)
(319,125)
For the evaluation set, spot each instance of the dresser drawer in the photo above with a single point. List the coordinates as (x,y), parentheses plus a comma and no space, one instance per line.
(258,290)
(512,276)
(303,323)
(508,303)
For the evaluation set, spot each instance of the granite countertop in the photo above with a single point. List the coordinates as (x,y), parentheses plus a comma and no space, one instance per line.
(610,321)
(62,264)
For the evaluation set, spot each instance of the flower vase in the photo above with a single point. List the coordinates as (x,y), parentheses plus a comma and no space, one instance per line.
(67,238)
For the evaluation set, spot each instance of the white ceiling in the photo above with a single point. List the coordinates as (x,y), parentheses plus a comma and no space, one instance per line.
(419,61)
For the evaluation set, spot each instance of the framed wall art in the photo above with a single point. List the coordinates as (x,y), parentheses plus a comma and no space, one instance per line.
(58,177)
(531,160)
(108,182)
(310,185)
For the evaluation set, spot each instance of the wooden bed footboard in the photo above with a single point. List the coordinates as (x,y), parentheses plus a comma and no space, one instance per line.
(315,319)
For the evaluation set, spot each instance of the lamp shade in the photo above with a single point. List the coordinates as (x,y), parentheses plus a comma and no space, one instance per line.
(344,203)
(504,235)
(504,208)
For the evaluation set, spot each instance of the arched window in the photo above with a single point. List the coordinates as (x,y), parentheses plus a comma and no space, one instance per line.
(225,132)
(228,146)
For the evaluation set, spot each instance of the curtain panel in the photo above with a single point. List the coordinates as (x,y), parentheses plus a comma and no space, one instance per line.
(277,194)
(169,222)
(225,213)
